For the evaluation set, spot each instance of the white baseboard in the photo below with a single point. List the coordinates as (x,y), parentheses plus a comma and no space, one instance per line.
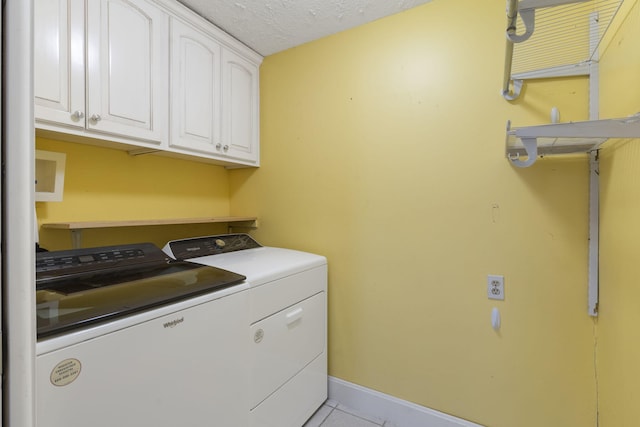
(400,413)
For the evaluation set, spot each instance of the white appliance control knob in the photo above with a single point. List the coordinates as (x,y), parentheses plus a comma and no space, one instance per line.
(220,243)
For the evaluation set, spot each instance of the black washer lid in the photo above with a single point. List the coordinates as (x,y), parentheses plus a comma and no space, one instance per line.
(83,287)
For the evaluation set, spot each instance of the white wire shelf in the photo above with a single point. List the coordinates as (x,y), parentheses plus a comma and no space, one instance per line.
(566,138)
(564,35)
(553,38)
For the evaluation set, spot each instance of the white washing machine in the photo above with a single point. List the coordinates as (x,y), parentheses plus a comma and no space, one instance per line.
(128,337)
(287,332)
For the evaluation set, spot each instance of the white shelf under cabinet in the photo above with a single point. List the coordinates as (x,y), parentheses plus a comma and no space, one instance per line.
(566,138)
(77,227)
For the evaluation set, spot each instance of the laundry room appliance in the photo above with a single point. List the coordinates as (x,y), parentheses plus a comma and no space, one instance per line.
(287,332)
(129,337)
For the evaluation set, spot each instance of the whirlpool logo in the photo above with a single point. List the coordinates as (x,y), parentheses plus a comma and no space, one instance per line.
(173,323)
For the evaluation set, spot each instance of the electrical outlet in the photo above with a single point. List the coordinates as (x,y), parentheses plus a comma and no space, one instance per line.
(495,287)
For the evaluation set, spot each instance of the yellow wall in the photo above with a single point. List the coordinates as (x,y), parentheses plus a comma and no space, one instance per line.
(618,331)
(382,148)
(106,184)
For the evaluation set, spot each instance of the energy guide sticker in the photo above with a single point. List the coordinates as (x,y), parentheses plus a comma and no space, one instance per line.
(65,372)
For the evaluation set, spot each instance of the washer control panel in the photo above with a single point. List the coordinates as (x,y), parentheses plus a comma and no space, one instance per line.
(68,263)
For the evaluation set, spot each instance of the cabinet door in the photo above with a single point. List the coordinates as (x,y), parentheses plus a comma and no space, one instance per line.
(127,64)
(59,62)
(240,107)
(195,89)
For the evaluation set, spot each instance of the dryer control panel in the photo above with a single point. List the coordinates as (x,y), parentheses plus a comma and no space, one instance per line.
(210,245)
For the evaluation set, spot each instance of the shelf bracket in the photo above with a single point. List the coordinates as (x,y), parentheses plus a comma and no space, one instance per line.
(511,36)
(248,225)
(142,151)
(76,238)
(517,88)
(594,233)
(528,17)
(531,147)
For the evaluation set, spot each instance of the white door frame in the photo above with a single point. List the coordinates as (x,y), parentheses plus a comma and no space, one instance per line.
(18,240)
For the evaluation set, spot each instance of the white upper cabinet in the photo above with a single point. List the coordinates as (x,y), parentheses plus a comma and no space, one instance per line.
(127,75)
(195,89)
(145,73)
(59,61)
(120,86)
(214,97)
(240,108)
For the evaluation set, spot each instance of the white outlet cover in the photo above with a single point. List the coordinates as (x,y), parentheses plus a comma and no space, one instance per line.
(495,287)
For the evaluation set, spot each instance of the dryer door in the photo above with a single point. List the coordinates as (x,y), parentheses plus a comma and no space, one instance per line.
(284,343)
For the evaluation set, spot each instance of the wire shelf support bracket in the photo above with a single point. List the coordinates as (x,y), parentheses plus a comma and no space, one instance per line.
(566,138)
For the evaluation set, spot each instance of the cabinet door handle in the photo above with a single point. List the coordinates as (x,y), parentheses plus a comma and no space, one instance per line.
(218,146)
(225,148)
(77,115)
(293,316)
(96,118)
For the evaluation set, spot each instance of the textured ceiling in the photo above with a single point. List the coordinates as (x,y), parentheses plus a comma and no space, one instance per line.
(270,26)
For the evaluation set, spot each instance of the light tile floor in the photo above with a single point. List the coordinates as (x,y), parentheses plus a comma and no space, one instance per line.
(333,414)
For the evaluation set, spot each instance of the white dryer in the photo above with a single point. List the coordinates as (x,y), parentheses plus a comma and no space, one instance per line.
(288,323)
